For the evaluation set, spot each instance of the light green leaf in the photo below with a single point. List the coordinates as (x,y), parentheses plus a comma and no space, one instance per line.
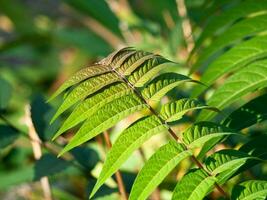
(85,89)
(129,140)
(238,31)
(162,84)
(200,133)
(90,105)
(148,70)
(247,80)
(5,93)
(105,118)
(226,159)
(175,110)
(81,75)
(194,186)
(234,59)
(250,190)
(157,168)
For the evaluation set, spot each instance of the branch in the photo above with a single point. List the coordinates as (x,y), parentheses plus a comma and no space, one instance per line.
(117,174)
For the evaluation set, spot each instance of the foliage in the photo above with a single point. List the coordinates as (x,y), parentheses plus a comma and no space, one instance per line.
(183,124)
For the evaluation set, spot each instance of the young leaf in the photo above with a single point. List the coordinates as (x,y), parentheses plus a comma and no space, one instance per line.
(250,190)
(162,84)
(128,141)
(247,80)
(157,168)
(104,118)
(194,185)
(148,70)
(175,110)
(200,133)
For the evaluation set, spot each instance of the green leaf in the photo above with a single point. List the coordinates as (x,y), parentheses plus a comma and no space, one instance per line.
(134,61)
(194,186)
(227,18)
(128,141)
(148,70)
(250,190)
(157,168)
(200,133)
(162,84)
(5,93)
(238,31)
(81,75)
(226,162)
(89,106)
(105,118)
(247,80)
(41,114)
(256,147)
(116,58)
(249,114)
(48,165)
(85,89)
(175,110)
(7,135)
(234,59)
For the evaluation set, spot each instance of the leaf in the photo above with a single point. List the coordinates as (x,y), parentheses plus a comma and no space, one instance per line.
(5,93)
(81,75)
(148,70)
(104,118)
(234,59)
(7,135)
(249,114)
(244,28)
(128,141)
(175,110)
(134,61)
(162,84)
(157,168)
(256,147)
(247,80)
(86,156)
(85,89)
(227,18)
(250,190)
(48,165)
(41,114)
(194,186)
(90,105)
(223,160)
(200,133)
(115,59)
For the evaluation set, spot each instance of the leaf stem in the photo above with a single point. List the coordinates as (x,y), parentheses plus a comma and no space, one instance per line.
(172,133)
